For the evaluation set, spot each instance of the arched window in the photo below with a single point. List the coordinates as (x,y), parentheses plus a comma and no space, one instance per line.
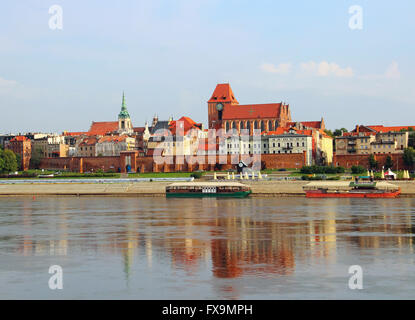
(270,126)
(255,124)
(276,124)
(262,126)
(242,125)
(248,126)
(227,126)
(233,125)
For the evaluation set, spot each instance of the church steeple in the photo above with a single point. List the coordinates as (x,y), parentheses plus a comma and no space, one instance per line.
(124,121)
(124,112)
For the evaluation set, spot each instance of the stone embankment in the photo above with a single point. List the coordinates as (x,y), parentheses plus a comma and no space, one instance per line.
(259,188)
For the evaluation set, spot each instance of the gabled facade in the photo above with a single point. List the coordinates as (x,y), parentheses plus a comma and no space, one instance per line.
(225,112)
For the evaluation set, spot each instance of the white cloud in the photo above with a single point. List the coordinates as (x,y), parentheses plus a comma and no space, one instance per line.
(392,72)
(325,69)
(7,83)
(282,68)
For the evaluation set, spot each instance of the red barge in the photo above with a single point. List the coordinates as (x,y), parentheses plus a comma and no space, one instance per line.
(339,189)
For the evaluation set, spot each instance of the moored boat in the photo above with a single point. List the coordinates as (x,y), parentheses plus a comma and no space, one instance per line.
(339,189)
(207,189)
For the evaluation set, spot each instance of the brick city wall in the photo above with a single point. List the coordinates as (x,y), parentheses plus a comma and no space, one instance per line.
(81,164)
(147,164)
(348,161)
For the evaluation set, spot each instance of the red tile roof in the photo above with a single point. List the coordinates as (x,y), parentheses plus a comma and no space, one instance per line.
(252,111)
(20,138)
(187,123)
(112,138)
(223,93)
(73,134)
(381,128)
(139,129)
(101,128)
(282,130)
(88,141)
(309,124)
(307,132)
(279,130)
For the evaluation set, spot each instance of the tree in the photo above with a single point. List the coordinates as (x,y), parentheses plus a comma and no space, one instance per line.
(373,164)
(19,161)
(329,132)
(409,157)
(37,156)
(388,162)
(358,169)
(8,161)
(339,132)
(1,160)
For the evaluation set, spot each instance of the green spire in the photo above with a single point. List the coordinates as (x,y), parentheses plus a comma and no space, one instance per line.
(124,112)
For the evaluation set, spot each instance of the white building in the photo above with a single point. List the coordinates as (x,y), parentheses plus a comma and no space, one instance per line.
(113,145)
(269,144)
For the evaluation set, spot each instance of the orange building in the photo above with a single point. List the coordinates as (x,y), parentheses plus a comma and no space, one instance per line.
(224,111)
(21,145)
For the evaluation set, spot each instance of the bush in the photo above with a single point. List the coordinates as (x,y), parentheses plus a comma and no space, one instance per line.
(358,169)
(196,175)
(86,175)
(334,178)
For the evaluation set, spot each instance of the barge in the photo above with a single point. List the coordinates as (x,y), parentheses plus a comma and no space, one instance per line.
(207,189)
(370,189)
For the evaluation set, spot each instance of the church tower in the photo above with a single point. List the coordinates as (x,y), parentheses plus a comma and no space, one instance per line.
(124,122)
(221,98)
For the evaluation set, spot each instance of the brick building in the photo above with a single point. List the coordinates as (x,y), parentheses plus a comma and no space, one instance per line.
(22,146)
(224,111)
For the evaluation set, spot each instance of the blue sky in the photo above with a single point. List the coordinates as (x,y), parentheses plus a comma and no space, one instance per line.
(169,55)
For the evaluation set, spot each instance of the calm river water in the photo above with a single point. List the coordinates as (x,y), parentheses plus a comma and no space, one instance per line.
(255,248)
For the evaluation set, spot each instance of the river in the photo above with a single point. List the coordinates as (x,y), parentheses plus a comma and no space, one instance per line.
(254,248)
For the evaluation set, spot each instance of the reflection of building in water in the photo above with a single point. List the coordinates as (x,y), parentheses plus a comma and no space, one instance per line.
(31,246)
(187,244)
(243,245)
(384,228)
(322,234)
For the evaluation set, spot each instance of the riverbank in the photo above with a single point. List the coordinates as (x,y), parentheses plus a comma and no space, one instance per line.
(157,189)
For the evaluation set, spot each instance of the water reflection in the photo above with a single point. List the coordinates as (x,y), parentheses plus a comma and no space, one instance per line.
(231,239)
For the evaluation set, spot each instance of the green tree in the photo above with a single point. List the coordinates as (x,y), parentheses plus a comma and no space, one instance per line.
(358,169)
(8,161)
(329,132)
(388,162)
(1,160)
(339,132)
(409,157)
(37,156)
(19,162)
(373,164)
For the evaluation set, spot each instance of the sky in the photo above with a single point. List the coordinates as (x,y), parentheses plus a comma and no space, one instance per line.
(169,55)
